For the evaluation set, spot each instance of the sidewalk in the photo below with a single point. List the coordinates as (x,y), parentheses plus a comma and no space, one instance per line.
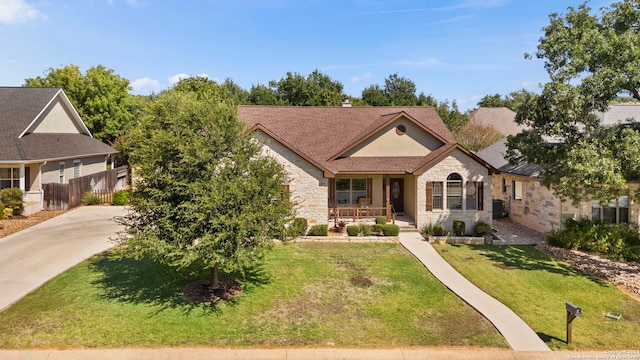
(517,333)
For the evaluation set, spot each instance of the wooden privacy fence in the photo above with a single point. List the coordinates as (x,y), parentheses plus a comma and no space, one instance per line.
(67,196)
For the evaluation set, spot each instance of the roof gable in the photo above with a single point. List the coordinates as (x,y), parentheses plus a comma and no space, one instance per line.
(57,117)
(395,134)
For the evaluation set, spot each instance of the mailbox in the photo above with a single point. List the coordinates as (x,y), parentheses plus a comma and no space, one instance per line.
(574,310)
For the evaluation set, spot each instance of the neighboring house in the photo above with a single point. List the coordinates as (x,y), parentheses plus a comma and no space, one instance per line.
(534,205)
(43,140)
(500,118)
(346,161)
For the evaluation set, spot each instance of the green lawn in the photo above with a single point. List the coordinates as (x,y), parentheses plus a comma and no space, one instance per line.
(537,286)
(306,294)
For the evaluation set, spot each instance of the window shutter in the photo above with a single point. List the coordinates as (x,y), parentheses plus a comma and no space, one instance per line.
(370,189)
(332,192)
(480,194)
(429,199)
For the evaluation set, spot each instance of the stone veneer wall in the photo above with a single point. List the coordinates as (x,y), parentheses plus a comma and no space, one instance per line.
(538,209)
(307,185)
(470,170)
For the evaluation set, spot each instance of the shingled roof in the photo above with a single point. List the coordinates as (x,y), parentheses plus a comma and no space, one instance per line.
(322,135)
(20,108)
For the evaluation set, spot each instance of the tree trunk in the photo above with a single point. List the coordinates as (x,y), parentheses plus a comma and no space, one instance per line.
(214,277)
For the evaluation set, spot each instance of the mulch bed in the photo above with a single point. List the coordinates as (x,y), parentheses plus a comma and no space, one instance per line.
(201,291)
(20,222)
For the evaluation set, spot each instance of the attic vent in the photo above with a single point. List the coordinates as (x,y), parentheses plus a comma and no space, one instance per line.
(401,129)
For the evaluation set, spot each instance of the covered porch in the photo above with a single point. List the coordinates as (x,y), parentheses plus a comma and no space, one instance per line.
(363,197)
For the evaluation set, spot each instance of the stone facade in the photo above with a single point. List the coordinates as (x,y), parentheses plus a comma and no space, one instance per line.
(469,170)
(307,185)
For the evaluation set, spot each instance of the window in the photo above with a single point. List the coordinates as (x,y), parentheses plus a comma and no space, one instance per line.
(9,178)
(61,172)
(504,185)
(76,168)
(348,191)
(516,187)
(616,211)
(471,202)
(454,192)
(437,195)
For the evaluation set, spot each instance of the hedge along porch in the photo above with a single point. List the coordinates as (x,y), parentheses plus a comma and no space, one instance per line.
(353,162)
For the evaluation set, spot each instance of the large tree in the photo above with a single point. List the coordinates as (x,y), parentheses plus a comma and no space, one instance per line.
(100,96)
(204,194)
(512,101)
(590,59)
(316,89)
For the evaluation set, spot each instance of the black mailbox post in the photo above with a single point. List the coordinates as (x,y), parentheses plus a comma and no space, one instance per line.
(573,311)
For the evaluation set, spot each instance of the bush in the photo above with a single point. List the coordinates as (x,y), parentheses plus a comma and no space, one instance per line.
(353,230)
(381,220)
(617,240)
(482,228)
(390,230)
(319,230)
(298,227)
(365,229)
(458,228)
(89,198)
(7,213)
(378,228)
(426,230)
(12,199)
(1,211)
(120,197)
(438,230)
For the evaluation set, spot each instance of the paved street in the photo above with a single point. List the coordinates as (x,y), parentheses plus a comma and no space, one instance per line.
(31,257)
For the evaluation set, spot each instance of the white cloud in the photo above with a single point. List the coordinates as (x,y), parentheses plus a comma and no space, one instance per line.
(177,77)
(17,11)
(146,86)
(362,77)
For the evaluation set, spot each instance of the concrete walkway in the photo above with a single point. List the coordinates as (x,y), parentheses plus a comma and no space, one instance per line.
(31,257)
(517,333)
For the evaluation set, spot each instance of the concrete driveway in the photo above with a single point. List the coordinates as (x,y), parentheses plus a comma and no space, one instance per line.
(31,257)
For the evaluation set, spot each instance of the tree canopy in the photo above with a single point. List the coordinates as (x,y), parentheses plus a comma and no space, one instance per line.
(591,59)
(512,101)
(100,96)
(204,194)
(316,89)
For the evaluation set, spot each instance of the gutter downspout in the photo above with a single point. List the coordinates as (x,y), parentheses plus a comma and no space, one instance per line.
(40,185)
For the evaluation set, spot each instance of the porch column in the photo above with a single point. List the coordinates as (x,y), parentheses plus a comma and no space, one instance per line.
(22,178)
(387,192)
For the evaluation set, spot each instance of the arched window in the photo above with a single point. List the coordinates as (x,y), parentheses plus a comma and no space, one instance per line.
(454,191)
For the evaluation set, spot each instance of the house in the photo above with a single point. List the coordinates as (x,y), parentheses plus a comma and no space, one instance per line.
(527,201)
(500,118)
(43,140)
(350,162)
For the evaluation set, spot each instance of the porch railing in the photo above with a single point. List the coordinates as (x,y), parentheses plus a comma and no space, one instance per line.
(356,213)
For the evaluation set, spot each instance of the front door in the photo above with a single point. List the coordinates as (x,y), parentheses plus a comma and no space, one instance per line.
(397,194)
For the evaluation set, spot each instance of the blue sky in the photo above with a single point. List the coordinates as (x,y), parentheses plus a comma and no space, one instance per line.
(453,50)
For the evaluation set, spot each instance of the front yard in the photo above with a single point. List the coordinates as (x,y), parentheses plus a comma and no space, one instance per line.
(536,286)
(307,294)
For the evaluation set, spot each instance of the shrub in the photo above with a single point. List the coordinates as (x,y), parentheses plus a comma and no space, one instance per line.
(319,230)
(438,230)
(353,230)
(120,197)
(298,227)
(12,199)
(458,228)
(390,230)
(378,228)
(7,213)
(482,228)
(89,198)
(1,211)
(381,220)
(426,230)
(365,229)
